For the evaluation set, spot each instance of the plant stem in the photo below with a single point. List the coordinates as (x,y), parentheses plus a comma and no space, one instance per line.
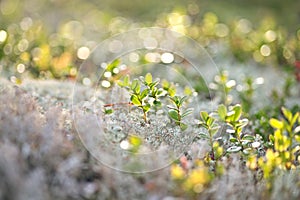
(178,115)
(116,104)
(145,116)
(211,144)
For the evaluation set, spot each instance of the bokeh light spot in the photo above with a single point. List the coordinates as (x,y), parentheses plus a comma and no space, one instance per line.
(23,45)
(270,36)
(20,68)
(107,74)
(3,35)
(259,80)
(221,30)
(124,144)
(105,84)
(152,57)
(83,53)
(265,50)
(26,23)
(244,26)
(86,81)
(116,70)
(167,58)
(175,19)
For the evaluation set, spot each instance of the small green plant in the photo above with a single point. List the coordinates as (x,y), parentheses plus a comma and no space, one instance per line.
(154,93)
(147,93)
(235,124)
(210,123)
(169,87)
(285,151)
(138,97)
(175,111)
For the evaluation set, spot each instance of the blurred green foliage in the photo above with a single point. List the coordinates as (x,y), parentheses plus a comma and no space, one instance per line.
(51,38)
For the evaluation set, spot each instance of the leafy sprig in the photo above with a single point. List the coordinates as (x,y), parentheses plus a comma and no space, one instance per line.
(175,111)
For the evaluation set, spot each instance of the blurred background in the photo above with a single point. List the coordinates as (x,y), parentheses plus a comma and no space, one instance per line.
(50,38)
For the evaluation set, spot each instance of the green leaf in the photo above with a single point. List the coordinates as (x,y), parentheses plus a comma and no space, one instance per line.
(172,91)
(245,142)
(242,123)
(144,93)
(134,84)
(171,107)
(126,80)
(183,126)
(110,67)
(275,123)
(237,112)
(148,78)
(294,119)
(175,100)
(161,92)
(152,85)
(174,115)
(233,140)
(210,121)
(247,151)
(182,100)
(157,103)
(108,111)
(188,91)
(248,138)
(146,107)
(288,114)
(120,83)
(204,115)
(187,112)
(165,84)
(214,130)
(272,138)
(222,111)
(203,136)
(203,125)
(234,149)
(135,100)
(230,116)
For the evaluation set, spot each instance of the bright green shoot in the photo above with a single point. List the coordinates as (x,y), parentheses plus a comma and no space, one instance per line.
(209,123)
(233,118)
(138,97)
(175,111)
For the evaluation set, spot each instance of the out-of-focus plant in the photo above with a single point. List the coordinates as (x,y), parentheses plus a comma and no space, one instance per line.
(112,73)
(191,181)
(246,94)
(285,154)
(223,86)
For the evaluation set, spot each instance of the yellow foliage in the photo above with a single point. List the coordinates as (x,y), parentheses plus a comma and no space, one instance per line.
(177,172)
